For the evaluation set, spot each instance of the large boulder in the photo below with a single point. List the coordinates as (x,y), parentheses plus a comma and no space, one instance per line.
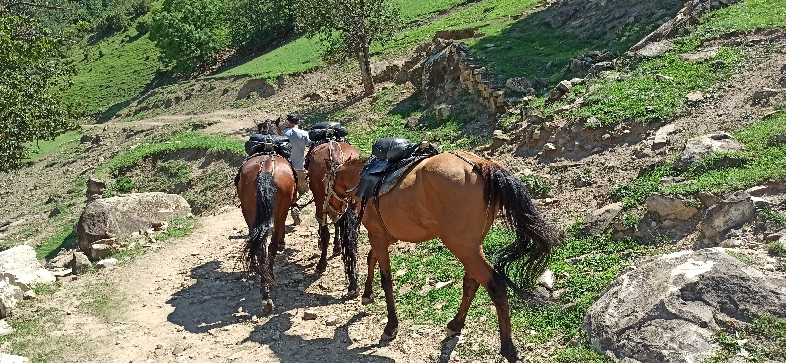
(19,266)
(669,308)
(118,217)
(596,222)
(733,212)
(10,295)
(670,208)
(696,149)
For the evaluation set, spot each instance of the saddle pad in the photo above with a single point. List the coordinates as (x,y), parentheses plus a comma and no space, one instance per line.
(379,176)
(258,142)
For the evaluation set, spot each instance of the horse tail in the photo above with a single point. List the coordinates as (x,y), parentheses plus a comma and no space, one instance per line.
(521,262)
(255,250)
(348,226)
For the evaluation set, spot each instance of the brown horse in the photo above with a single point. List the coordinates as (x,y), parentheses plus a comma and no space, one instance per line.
(456,197)
(266,189)
(322,162)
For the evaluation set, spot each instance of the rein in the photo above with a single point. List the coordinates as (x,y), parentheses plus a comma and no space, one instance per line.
(330,182)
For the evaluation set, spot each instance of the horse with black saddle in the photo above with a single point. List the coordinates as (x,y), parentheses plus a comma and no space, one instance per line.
(266,188)
(329,149)
(418,195)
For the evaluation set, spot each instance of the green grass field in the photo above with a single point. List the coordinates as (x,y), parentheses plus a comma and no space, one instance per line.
(41,149)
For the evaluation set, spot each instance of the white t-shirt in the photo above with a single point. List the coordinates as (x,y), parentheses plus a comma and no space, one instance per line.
(299,139)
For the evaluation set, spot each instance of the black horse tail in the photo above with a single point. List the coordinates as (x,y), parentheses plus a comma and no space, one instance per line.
(524,260)
(348,226)
(255,251)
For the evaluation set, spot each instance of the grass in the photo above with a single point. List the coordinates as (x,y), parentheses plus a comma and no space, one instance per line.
(299,55)
(113,71)
(537,185)
(169,143)
(46,289)
(739,256)
(417,273)
(766,163)
(101,300)
(31,338)
(40,149)
(66,238)
(764,338)
(746,16)
(776,248)
(642,97)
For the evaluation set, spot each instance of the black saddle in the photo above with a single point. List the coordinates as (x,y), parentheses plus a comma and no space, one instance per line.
(325,131)
(268,144)
(391,158)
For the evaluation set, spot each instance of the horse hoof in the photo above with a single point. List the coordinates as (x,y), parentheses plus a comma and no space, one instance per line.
(367,300)
(452,333)
(351,294)
(280,248)
(321,268)
(267,307)
(389,337)
(336,252)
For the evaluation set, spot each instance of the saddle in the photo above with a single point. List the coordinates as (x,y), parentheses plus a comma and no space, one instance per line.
(268,144)
(391,158)
(325,131)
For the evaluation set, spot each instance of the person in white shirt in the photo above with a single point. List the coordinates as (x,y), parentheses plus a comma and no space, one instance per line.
(299,140)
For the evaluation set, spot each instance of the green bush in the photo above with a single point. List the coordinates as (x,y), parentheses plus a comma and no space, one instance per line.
(189,33)
(537,185)
(143,26)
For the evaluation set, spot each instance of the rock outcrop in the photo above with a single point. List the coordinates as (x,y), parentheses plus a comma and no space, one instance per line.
(105,221)
(696,149)
(669,307)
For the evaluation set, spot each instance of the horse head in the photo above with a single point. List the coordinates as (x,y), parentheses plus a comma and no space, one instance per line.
(269,127)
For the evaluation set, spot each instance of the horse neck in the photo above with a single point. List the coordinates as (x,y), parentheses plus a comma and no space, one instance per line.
(349,174)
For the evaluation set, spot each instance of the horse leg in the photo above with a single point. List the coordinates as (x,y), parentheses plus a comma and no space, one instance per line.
(469,289)
(324,239)
(478,268)
(336,241)
(368,292)
(383,257)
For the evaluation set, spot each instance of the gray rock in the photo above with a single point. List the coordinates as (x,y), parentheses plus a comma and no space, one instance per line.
(79,263)
(62,260)
(10,295)
(730,213)
(8,358)
(331,320)
(708,199)
(698,57)
(668,207)
(694,97)
(106,264)
(655,49)
(518,84)
(498,139)
(95,188)
(669,307)
(5,328)
(698,148)
(310,315)
(20,267)
(598,220)
(119,217)
(765,94)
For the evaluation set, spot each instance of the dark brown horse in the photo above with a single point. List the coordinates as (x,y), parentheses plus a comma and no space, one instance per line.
(266,189)
(322,162)
(456,197)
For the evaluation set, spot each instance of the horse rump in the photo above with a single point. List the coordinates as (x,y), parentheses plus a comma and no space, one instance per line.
(255,250)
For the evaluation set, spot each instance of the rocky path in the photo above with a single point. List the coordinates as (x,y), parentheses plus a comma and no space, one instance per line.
(190,301)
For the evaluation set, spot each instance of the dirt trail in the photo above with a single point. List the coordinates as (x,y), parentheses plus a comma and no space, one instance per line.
(190,301)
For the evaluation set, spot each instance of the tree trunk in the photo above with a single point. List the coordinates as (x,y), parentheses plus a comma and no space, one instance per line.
(365,70)
(363,53)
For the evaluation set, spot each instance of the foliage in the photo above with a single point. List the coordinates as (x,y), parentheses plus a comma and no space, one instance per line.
(537,185)
(32,75)
(189,33)
(348,28)
(190,140)
(637,190)
(254,24)
(776,248)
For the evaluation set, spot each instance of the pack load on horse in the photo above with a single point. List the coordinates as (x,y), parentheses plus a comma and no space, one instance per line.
(266,188)
(418,195)
(328,151)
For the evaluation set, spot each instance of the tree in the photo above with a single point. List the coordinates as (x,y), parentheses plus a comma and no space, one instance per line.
(256,24)
(348,27)
(189,33)
(32,74)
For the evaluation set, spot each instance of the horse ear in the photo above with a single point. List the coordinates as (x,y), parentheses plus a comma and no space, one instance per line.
(256,122)
(278,121)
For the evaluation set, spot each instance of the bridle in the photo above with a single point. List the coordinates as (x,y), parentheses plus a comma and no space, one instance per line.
(330,182)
